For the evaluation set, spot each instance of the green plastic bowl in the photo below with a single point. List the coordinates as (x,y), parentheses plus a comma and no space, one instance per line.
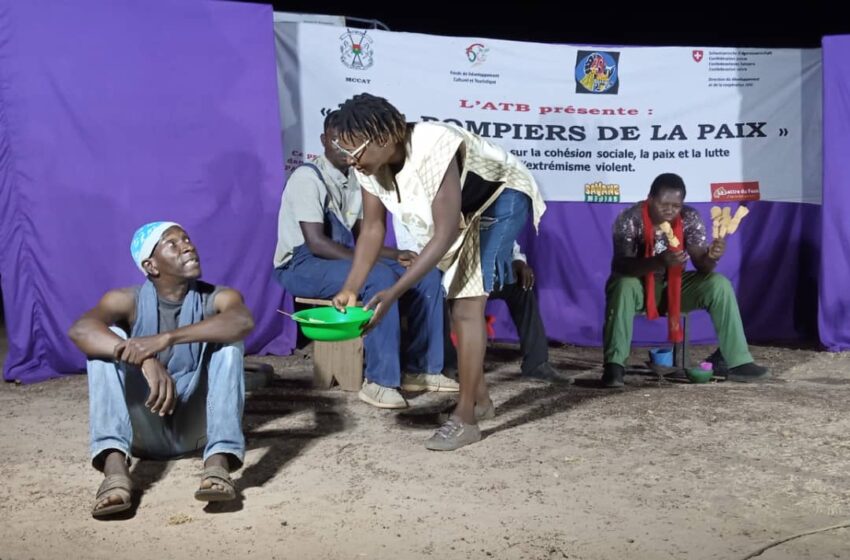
(699,375)
(335,325)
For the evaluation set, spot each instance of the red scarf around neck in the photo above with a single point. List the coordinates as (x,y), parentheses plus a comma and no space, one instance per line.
(674,276)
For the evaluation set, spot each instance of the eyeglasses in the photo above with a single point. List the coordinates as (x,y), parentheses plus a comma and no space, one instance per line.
(356,154)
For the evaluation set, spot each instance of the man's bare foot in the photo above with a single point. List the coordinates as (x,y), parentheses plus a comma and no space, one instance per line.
(114,493)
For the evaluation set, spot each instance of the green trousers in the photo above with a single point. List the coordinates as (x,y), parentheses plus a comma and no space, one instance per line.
(624,297)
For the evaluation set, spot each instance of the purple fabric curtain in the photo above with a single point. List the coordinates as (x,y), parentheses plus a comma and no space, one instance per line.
(165,110)
(111,117)
(834,309)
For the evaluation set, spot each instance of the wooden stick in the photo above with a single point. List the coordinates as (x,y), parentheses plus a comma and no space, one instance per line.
(668,231)
(740,214)
(726,217)
(716,214)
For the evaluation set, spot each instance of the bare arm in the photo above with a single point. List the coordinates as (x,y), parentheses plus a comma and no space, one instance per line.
(386,252)
(321,245)
(91,332)
(373,229)
(232,323)
(705,258)
(446,212)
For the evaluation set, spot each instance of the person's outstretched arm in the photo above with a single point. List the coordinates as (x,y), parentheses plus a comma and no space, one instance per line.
(370,241)
(445,209)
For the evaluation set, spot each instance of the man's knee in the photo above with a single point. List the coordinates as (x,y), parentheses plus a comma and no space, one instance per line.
(228,354)
(718,285)
(227,365)
(624,286)
(380,278)
(278,274)
(468,309)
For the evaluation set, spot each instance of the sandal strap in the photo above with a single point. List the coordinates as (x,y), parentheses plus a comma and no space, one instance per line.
(218,473)
(115,484)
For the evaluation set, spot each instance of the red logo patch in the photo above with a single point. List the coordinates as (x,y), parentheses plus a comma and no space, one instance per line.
(723,192)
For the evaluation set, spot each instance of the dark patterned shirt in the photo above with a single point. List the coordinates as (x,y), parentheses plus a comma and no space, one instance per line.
(628,232)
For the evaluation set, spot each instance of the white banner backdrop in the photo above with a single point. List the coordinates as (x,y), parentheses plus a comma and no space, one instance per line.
(593,124)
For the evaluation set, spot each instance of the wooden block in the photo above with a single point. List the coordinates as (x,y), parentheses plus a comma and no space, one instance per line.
(322,302)
(341,360)
(313,301)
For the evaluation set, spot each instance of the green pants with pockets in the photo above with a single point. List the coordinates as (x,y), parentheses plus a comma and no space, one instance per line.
(624,298)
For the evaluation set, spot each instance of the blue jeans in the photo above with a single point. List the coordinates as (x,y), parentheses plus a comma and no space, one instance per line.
(500,225)
(208,412)
(309,276)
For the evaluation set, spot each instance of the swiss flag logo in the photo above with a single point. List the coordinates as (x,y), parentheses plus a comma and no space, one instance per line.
(697,54)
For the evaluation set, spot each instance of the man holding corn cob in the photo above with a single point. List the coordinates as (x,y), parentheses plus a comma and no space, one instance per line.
(653,240)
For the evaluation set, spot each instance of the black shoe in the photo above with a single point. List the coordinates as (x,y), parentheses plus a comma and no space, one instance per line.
(718,364)
(612,375)
(547,374)
(747,373)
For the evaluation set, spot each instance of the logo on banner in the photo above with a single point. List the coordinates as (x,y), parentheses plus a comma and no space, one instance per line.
(697,54)
(596,72)
(356,49)
(746,190)
(601,192)
(477,53)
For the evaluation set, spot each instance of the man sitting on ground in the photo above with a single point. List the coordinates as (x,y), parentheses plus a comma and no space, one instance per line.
(176,384)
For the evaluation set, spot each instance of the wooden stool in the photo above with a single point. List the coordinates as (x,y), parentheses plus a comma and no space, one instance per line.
(342,360)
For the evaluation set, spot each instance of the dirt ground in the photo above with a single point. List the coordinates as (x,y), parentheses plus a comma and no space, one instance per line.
(654,471)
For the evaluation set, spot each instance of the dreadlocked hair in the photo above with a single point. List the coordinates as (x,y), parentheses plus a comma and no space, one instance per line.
(371,117)
(331,120)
